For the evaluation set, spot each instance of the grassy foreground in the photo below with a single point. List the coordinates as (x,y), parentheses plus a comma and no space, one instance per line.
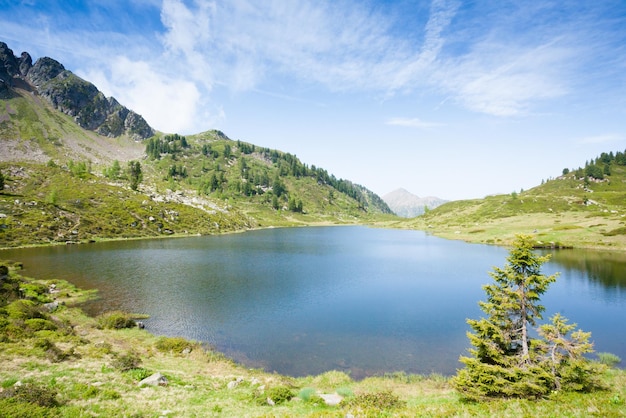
(64,363)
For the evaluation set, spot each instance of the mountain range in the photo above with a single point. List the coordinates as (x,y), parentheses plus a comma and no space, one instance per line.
(407,205)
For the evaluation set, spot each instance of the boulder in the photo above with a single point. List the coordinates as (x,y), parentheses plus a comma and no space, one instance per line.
(234,383)
(156,379)
(331,399)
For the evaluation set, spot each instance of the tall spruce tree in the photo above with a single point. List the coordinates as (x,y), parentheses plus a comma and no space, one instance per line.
(135,175)
(505,361)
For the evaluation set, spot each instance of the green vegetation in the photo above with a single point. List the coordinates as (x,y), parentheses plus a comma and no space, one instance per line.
(506,361)
(573,210)
(204,184)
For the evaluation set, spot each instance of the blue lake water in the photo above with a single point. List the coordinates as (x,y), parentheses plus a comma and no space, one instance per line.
(302,301)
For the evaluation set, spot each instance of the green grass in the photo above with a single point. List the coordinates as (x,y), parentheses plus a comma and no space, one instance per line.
(554,213)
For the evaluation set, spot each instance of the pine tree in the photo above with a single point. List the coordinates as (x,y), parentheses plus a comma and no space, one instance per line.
(134,174)
(563,354)
(504,363)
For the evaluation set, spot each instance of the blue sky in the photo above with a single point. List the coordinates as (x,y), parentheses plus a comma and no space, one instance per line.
(455,99)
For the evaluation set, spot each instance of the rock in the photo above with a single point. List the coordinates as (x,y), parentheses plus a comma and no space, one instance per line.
(331,399)
(234,383)
(156,379)
(71,95)
(270,401)
(52,306)
(25,62)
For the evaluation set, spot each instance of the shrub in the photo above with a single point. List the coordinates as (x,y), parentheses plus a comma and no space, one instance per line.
(53,353)
(110,394)
(306,394)
(32,393)
(116,320)
(280,394)
(381,401)
(609,359)
(35,291)
(24,309)
(39,324)
(173,344)
(126,362)
(84,391)
(15,409)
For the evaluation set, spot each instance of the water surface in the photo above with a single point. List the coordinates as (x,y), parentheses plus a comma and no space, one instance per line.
(303,301)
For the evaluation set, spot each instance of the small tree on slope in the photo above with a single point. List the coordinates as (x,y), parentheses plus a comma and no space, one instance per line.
(505,361)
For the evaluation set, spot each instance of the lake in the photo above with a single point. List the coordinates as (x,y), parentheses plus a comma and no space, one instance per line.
(303,301)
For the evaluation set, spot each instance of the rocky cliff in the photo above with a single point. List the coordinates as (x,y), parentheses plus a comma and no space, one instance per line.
(70,94)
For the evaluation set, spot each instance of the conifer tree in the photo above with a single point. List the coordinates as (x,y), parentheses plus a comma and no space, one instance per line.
(135,175)
(504,361)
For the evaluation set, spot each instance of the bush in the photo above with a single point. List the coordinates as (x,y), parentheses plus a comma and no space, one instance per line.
(173,344)
(609,359)
(32,393)
(24,309)
(116,320)
(110,394)
(53,353)
(35,291)
(280,394)
(306,394)
(39,324)
(381,401)
(126,362)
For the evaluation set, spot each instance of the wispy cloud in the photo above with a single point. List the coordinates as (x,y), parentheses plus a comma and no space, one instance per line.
(499,60)
(412,123)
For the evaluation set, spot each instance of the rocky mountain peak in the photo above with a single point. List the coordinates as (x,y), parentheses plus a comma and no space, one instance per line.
(407,205)
(71,95)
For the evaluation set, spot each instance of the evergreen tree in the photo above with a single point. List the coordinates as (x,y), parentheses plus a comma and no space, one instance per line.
(503,362)
(563,355)
(1,181)
(135,175)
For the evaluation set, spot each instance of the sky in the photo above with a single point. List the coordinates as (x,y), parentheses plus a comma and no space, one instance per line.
(454,99)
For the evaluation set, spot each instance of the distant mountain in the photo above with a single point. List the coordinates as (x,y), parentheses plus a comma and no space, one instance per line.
(408,205)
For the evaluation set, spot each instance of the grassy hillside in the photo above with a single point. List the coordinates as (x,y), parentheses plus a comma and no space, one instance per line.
(32,130)
(66,184)
(57,362)
(574,209)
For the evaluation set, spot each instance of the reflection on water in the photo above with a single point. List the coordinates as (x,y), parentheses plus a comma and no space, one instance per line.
(305,300)
(608,268)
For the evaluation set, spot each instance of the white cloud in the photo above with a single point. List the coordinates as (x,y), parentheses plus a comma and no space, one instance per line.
(505,79)
(480,64)
(170,105)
